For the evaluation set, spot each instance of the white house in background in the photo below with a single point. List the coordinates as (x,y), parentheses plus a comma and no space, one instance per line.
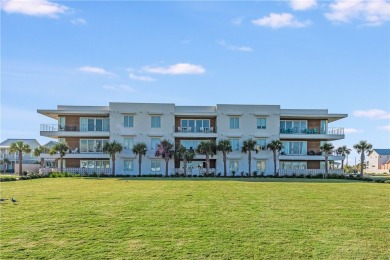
(29,158)
(87,128)
(379,161)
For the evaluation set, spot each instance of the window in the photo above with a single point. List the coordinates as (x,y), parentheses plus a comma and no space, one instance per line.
(293,165)
(195,125)
(128,121)
(156,122)
(128,143)
(154,143)
(235,144)
(260,166)
(293,126)
(234,123)
(128,165)
(261,144)
(61,123)
(233,165)
(261,123)
(94,124)
(190,143)
(156,165)
(92,164)
(92,145)
(294,148)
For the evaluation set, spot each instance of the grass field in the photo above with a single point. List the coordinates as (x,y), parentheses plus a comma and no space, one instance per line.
(91,218)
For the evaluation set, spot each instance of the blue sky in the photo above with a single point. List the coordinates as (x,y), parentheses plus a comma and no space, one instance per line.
(297,54)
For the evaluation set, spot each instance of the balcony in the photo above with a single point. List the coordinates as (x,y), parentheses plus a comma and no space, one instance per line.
(331,133)
(54,130)
(207,132)
(306,172)
(312,155)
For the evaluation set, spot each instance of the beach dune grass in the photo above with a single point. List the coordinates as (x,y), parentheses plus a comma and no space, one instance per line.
(126,218)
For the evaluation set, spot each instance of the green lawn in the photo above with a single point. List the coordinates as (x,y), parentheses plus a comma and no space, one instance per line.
(91,218)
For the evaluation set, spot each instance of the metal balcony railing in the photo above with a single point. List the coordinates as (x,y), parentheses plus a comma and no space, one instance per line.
(74,128)
(298,130)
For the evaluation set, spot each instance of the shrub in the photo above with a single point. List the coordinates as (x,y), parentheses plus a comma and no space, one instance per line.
(8,178)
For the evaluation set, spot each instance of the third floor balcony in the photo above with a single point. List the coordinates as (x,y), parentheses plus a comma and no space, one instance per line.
(330,133)
(79,130)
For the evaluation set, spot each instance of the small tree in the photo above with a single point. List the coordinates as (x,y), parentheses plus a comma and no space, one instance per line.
(327,149)
(343,150)
(60,148)
(363,147)
(206,147)
(275,146)
(5,163)
(112,148)
(140,149)
(37,153)
(166,150)
(186,154)
(247,147)
(225,146)
(20,147)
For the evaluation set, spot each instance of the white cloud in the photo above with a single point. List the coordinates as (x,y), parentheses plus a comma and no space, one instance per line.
(280,20)
(33,7)
(352,131)
(302,4)
(237,21)
(372,113)
(180,68)
(371,12)
(95,70)
(119,88)
(235,48)
(141,78)
(386,127)
(78,21)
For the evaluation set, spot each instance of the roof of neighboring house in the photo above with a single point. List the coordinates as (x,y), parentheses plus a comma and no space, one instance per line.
(31,142)
(382,151)
(50,144)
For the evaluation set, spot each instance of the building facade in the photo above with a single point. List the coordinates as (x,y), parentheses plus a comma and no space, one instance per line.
(85,129)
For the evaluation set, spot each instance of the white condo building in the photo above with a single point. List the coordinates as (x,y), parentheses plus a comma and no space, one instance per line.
(86,128)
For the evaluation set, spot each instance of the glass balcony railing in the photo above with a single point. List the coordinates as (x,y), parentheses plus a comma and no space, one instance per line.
(75,128)
(298,130)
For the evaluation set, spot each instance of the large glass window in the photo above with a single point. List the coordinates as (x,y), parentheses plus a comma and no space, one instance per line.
(94,164)
(92,145)
(233,165)
(261,144)
(261,123)
(128,121)
(128,143)
(288,165)
(260,165)
(61,123)
(234,122)
(155,165)
(190,143)
(128,165)
(293,126)
(156,122)
(154,143)
(195,125)
(294,148)
(94,124)
(235,144)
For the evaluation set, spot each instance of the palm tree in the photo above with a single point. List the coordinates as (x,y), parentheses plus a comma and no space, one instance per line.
(5,163)
(206,147)
(247,147)
(186,154)
(60,148)
(20,147)
(112,149)
(37,152)
(225,146)
(363,148)
(275,146)
(140,150)
(327,149)
(166,151)
(343,150)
